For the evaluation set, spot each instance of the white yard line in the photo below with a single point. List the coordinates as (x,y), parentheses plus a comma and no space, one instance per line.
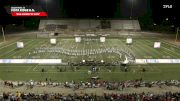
(64,46)
(150,42)
(15,49)
(9,44)
(171,44)
(171,51)
(28,69)
(168,50)
(34,69)
(139,50)
(24,51)
(109,53)
(82,57)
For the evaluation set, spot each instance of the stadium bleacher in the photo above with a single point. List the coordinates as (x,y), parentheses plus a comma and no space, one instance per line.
(91,24)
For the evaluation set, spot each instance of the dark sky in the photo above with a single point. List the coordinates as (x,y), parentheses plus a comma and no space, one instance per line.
(101,8)
(90,8)
(94,8)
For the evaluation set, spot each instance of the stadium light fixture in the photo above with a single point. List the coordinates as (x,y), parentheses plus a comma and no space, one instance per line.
(47,1)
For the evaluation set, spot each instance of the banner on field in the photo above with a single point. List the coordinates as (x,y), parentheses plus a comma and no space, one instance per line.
(160,61)
(30,61)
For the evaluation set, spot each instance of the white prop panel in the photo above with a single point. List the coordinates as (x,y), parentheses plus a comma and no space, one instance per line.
(102,39)
(53,41)
(20,45)
(129,41)
(77,39)
(157,44)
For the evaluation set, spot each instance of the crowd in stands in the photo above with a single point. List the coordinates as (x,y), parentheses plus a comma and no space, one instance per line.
(20,96)
(168,96)
(109,85)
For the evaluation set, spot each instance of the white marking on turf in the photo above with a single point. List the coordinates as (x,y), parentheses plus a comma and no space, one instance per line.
(167,49)
(164,41)
(15,49)
(34,69)
(28,69)
(171,51)
(9,44)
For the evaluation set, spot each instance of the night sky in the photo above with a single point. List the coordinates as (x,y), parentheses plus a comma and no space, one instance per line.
(94,8)
(90,8)
(99,8)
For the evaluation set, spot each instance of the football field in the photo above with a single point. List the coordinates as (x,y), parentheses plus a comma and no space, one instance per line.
(89,49)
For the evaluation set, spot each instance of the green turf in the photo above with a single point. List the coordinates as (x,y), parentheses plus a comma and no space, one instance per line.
(142,48)
(153,72)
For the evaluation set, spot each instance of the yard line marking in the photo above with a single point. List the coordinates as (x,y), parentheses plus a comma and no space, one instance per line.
(171,51)
(151,47)
(34,69)
(10,44)
(168,50)
(140,49)
(163,50)
(64,47)
(14,49)
(168,43)
(28,69)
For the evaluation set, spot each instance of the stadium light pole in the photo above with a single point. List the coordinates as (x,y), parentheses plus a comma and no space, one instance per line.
(132,1)
(177,34)
(47,8)
(3,34)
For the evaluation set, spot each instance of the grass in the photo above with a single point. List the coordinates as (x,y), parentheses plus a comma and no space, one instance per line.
(153,72)
(142,48)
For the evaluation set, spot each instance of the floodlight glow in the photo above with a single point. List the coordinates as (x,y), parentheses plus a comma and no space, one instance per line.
(102,61)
